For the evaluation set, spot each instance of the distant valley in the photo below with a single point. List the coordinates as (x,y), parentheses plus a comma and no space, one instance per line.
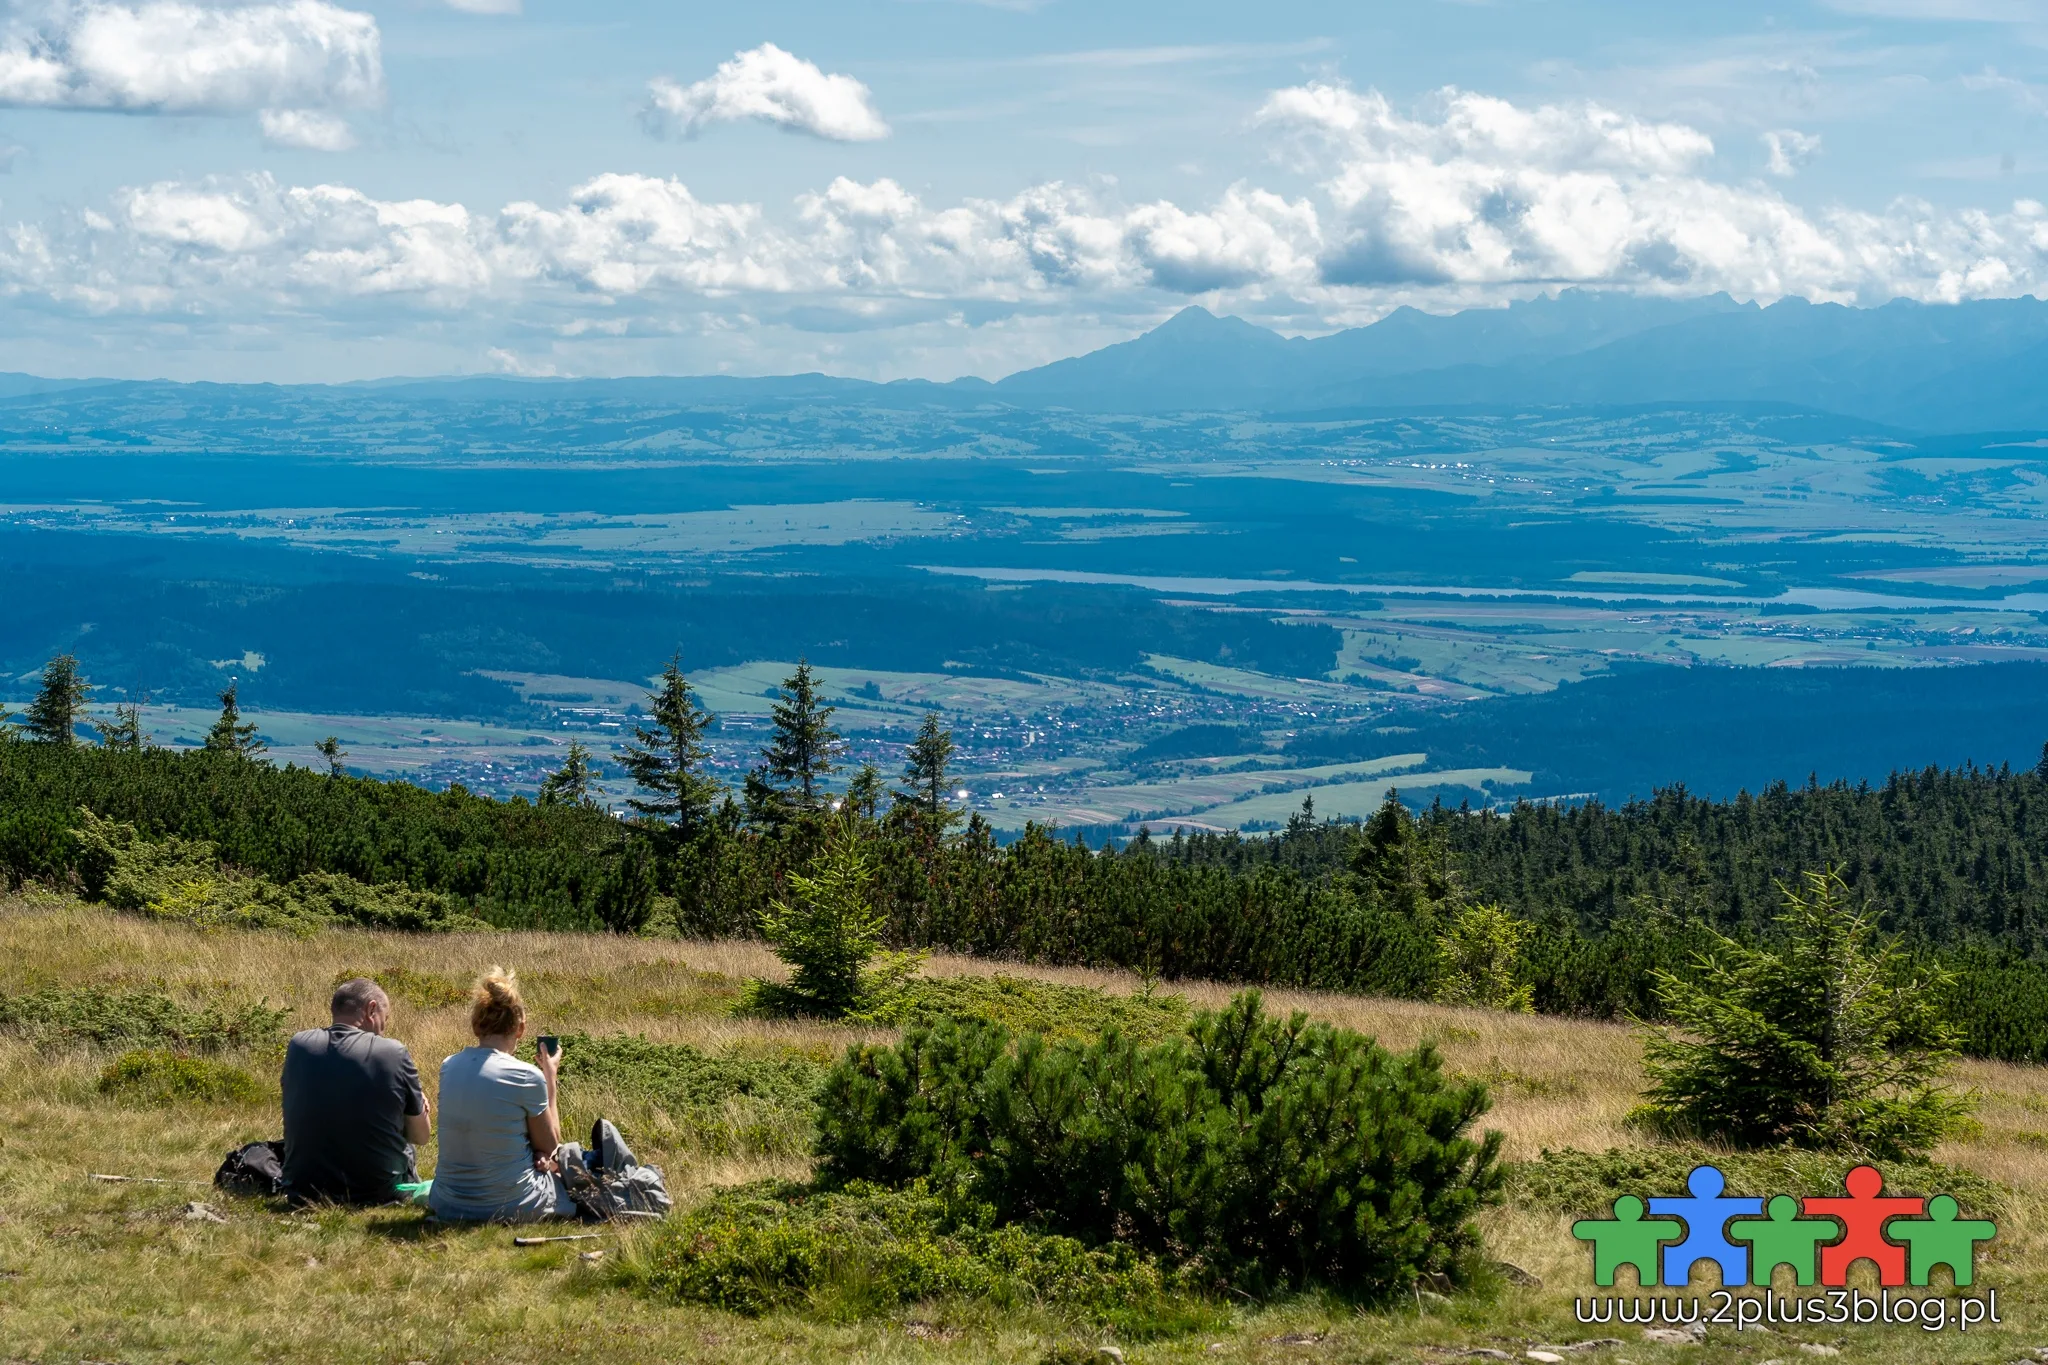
(1080,562)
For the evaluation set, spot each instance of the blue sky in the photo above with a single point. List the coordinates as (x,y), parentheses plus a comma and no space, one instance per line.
(316,190)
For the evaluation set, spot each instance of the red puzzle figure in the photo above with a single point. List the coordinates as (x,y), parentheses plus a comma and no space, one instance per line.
(1863,1216)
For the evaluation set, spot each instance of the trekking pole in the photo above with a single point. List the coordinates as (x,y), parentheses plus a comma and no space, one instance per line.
(141,1180)
(543,1241)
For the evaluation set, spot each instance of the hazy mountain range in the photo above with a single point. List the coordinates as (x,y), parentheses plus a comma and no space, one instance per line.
(1975,367)
(1965,367)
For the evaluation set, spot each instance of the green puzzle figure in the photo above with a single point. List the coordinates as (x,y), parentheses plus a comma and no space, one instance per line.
(1784,1238)
(1942,1239)
(1626,1239)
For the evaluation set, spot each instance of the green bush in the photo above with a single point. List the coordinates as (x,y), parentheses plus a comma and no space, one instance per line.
(117,1018)
(344,900)
(184,879)
(858,1251)
(726,1103)
(1023,1005)
(157,1076)
(1276,1154)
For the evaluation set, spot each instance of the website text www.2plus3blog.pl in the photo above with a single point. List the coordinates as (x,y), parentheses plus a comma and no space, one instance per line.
(1833,1307)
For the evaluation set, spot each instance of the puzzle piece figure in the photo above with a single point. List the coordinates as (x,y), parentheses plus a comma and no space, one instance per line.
(1783,1239)
(1944,1240)
(1863,1216)
(1706,1215)
(1625,1239)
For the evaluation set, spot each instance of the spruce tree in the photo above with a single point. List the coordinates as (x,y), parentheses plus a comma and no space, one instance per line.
(571,784)
(54,716)
(800,756)
(667,757)
(331,750)
(230,734)
(1401,865)
(124,732)
(1830,1038)
(926,775)
(864,793)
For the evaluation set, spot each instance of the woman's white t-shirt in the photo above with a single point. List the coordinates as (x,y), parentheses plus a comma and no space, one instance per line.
(485,1168)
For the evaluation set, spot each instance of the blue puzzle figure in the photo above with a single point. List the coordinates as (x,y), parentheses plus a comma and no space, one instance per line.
(1706,1217)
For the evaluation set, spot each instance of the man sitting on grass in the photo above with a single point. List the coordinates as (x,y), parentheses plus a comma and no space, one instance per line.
(353,1107)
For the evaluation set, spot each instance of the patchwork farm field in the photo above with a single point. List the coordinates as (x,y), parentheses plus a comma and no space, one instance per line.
(97,1270)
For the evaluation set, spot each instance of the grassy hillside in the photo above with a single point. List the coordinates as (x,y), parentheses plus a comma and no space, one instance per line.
(91,1270)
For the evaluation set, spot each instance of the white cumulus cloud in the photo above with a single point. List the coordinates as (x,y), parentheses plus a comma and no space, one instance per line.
(177,57)
(313,130)
(774,86)
(1476,193)
(1466,200)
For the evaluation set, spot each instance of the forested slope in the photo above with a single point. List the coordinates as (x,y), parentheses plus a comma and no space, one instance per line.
(1952,861)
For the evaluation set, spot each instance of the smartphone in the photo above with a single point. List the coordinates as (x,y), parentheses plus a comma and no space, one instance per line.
(551,1043)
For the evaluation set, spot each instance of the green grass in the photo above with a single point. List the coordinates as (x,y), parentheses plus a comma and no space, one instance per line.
(1585,1184)
(98,1271)
(729,1103)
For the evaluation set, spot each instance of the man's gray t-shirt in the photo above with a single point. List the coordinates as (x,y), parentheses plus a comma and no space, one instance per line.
(485,1170)
(347,1095)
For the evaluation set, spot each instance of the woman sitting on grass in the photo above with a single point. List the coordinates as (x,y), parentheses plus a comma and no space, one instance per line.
(501,1120)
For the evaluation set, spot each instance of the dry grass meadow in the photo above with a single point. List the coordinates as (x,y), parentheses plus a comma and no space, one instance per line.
(99,1271)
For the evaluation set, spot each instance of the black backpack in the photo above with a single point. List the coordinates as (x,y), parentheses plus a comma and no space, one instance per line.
(256,1169)
(607,1183)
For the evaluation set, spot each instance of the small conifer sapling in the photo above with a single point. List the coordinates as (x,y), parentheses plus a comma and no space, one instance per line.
(124,733)
(1829,1037)
(573,783)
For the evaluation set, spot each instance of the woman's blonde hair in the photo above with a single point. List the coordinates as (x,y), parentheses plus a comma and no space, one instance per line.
(494,1005)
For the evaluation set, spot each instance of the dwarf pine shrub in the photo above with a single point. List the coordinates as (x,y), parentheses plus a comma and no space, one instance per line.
(1276,1153)
(158,1076)
(145,1018)
(861,1250)
(184,879)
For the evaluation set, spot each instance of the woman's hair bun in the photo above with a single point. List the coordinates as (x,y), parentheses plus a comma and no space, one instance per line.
(494,1004)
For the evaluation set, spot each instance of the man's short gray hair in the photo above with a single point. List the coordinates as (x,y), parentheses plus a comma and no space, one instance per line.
(356,998)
